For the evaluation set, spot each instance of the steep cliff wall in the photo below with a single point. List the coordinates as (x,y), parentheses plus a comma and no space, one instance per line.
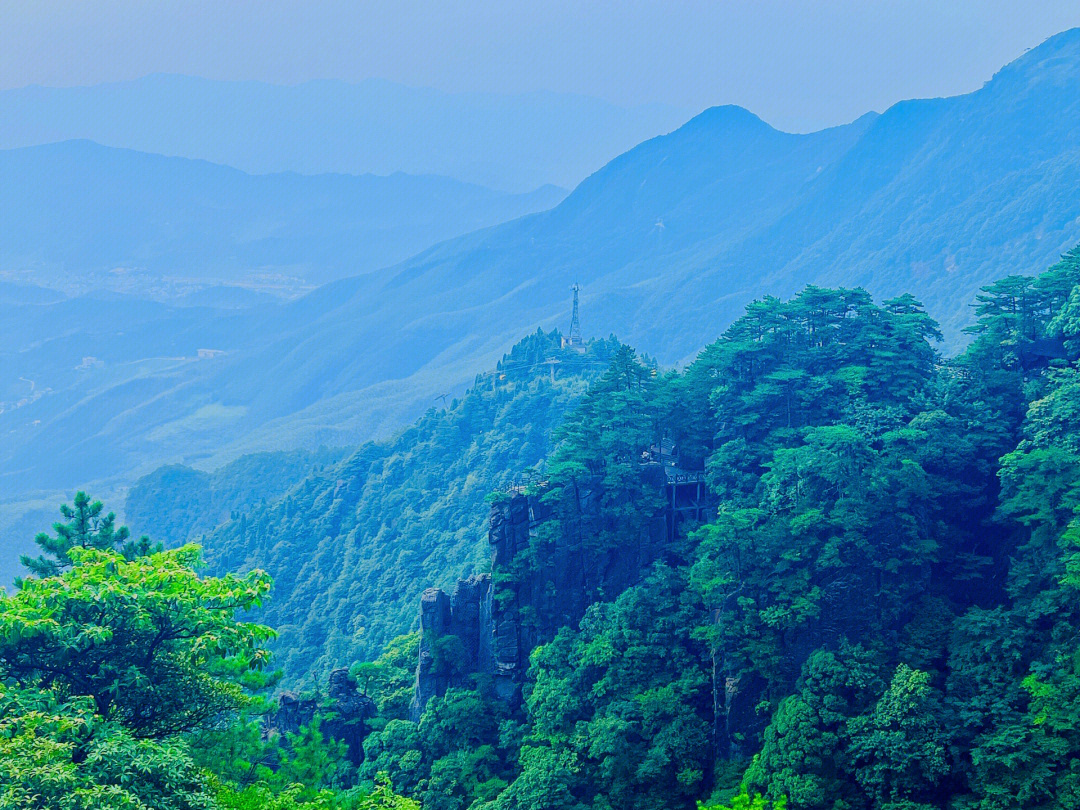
(457,638)
(492,622)
(344,712)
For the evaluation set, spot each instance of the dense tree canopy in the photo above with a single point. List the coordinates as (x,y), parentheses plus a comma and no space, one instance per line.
(126,682)
(882,611)
(877,612)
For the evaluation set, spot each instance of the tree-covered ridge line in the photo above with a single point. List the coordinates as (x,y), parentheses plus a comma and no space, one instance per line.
(351,545)
(881,615)
(200,501)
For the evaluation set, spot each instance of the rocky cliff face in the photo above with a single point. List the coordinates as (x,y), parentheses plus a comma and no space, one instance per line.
(490,624)
(344,712)
(457,638)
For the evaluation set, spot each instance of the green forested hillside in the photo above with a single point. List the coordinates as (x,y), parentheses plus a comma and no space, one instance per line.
(127,680)
(351,546)
(878,612)
(670,241)
(881,615)
(181,502)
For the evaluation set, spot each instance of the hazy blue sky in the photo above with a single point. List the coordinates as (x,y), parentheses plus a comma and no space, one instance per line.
(800,65)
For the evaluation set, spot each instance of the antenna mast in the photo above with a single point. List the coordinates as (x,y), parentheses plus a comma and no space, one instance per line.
(575,326)
(574,341)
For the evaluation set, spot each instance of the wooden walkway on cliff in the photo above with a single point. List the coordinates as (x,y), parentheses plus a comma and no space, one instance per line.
(687,496)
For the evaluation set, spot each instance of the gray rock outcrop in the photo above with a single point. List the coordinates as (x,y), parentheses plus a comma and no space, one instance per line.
(489,627)
(344,713)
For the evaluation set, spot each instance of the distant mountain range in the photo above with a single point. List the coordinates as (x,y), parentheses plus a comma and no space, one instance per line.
(510,142)
(669,241)
(78,214)
(673,238)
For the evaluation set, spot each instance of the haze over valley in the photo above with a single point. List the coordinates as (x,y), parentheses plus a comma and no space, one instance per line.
(669,240)
(490,445)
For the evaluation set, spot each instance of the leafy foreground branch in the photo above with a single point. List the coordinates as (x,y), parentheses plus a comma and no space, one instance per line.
(124,682)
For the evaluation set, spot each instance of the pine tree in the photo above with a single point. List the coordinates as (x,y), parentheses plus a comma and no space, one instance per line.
(84,527)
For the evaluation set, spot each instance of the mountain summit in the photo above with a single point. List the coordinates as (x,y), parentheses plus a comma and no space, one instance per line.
(672,238)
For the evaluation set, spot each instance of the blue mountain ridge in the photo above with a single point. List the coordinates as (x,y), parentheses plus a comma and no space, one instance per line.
(669,240)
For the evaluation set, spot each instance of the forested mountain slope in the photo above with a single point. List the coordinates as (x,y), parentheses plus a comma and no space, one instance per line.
(877,610)
(670,241)
(352,545)
(880,614)
(181,502)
